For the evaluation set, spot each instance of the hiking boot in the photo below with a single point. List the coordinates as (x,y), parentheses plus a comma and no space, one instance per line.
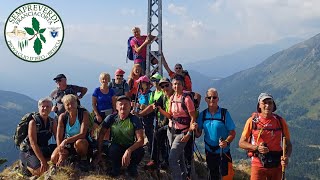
(24,170)
(150,165)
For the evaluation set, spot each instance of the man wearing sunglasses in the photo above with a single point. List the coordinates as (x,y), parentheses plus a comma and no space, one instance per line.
(63,89)
(119,84)
(178,70)
(219,131)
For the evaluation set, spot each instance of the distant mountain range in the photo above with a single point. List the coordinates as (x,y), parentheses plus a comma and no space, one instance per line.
(226,65)
(292,77)
(12,107)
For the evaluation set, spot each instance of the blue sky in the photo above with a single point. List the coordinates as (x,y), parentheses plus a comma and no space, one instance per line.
(192,29)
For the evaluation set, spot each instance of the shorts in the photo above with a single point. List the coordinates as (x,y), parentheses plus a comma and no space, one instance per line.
(28,158)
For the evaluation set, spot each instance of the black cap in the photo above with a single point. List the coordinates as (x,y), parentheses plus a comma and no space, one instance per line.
(59,76)
(123,97)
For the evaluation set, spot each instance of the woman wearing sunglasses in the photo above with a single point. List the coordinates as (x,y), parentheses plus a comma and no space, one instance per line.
(219,131)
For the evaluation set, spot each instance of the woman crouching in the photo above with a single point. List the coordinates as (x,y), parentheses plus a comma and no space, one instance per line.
(72,132)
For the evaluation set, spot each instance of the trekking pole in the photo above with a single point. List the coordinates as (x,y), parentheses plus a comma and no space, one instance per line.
(221,157)
(155,124)
(136,97)
(197,152)
(284,147)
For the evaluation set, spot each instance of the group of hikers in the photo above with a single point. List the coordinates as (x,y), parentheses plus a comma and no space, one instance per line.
(165,111)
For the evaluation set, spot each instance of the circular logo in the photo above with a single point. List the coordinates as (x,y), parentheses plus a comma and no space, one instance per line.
(34,32)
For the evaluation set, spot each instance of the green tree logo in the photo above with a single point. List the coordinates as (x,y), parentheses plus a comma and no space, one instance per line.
(37,33)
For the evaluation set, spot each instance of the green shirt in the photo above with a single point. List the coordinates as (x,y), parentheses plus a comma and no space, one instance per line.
(122,132)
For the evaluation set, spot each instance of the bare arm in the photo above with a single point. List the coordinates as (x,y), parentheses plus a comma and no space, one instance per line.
(94,106)
(244,144)
(165,65)
(83,91)
(32,133)
(60,129)
(146,110)
(54,128)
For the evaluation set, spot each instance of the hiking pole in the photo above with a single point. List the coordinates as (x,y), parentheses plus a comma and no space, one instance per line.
(136,98)
(284,147)
(155,123)
(221,157)
(198,152)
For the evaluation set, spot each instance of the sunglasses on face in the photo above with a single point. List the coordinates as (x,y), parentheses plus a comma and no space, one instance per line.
(58,80)
(211,97)
(167,85)
(178,67)
(119,75)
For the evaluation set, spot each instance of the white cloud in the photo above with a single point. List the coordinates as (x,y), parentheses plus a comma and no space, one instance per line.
(178,10)
(128,12)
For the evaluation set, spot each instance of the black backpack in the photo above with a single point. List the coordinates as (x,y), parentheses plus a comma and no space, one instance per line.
(183,103)
(222,119)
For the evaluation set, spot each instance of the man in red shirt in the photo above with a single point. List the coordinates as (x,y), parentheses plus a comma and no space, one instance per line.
(262,135)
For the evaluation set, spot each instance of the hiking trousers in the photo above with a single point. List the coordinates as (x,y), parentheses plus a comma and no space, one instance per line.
(262,173)
(147,122)
(116,152)
(160,146)
(176,156)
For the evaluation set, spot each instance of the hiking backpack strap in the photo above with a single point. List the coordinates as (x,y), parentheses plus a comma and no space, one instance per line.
(123,86)
(223,113)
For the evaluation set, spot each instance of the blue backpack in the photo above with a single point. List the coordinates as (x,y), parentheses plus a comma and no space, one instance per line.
(130,52)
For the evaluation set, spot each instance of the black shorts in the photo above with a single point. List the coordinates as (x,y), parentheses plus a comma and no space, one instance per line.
(28,158)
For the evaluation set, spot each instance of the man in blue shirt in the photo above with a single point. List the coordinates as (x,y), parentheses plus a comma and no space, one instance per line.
(219,131)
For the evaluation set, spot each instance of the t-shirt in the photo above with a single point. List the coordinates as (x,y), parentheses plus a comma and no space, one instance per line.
(273,138)
(176,109)
(119,89)
(143,52)
(58,94)
(122,131)
(155,95)
(104,101)
(214,129)
(143,98)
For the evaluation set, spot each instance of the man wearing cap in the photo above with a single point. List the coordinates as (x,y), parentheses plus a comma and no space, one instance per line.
(126,134)
(63,89)
(119,84)
(262,137)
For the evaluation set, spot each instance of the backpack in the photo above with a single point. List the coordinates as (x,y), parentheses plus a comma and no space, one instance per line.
(223,116)
(186,73)
(21,133)
(183,103)
(113,85)
(131,55)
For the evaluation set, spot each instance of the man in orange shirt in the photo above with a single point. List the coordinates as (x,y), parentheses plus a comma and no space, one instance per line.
(262,136)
